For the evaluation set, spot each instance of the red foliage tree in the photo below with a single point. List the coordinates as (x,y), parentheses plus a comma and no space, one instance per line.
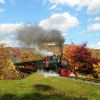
(81,59)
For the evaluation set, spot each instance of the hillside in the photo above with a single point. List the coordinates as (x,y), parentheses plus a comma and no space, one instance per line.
(37,87)
(56,49)
(26,54)
(96,53)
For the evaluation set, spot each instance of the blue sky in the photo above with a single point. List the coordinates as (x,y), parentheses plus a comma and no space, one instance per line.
(78,20)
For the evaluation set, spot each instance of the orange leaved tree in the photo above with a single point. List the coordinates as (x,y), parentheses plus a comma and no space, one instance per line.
(81,60)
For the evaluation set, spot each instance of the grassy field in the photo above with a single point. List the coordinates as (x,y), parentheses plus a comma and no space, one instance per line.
(36,87)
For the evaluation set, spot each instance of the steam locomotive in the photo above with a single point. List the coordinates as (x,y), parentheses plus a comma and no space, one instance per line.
(56,63)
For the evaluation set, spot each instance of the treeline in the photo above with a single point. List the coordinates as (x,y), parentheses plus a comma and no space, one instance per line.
(81,59)
(9,56)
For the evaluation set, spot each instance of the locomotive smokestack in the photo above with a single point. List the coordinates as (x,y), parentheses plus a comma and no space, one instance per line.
(61,49)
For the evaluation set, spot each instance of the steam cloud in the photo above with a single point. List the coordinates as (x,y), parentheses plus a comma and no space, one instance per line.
(48,74)
(34,34)
(30,35)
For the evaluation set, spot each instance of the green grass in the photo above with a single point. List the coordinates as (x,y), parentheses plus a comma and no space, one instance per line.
(36,87)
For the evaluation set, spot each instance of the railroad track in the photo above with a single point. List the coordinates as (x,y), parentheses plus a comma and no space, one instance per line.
(87,80)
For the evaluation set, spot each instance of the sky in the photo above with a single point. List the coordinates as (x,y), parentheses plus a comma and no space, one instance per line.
(78,20)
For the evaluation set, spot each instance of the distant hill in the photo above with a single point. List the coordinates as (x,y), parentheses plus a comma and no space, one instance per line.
(96,53)
(56,49)
(17,54)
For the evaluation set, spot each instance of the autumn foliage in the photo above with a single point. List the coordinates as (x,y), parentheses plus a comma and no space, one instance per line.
(7,69)
(81,59)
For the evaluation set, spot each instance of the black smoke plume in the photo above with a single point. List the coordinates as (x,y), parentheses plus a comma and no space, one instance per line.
(31,35)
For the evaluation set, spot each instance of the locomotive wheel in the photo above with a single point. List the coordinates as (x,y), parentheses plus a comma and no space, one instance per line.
(35,70)
(23,75)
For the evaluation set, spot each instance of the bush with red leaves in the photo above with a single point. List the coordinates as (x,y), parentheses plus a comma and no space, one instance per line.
(81,58)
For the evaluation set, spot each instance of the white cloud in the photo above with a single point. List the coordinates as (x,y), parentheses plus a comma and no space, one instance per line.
(10,43)
(53,7)
(95,46)
(2,1)
(97,19)
(70,2)
(59,21)
(2,10)
(10,28)
(93,6)
(94,27)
